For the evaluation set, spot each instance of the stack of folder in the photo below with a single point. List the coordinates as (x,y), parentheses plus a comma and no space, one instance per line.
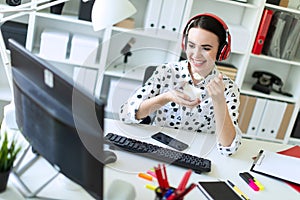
(282,39)
(164,15)
(227,69)
(264,118)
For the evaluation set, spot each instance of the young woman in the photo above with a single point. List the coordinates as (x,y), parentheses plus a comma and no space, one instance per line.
(213,105)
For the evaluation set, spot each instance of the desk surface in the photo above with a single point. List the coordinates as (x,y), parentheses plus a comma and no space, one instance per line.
(128,166)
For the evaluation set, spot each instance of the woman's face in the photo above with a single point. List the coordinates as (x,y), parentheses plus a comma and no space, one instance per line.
(201,50)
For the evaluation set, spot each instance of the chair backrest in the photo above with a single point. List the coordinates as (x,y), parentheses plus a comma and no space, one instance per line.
(148,73)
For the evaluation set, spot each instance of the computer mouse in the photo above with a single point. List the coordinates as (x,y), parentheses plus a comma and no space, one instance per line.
(120,189)
(109,157)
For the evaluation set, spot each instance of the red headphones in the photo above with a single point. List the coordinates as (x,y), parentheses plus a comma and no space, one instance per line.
(226,49)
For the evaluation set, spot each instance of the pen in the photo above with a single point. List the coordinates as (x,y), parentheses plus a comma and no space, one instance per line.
(179,195)
(237,190)
(168,193)
(152,173)
(184,180)
(159,177)
(261,187)
(146,176)
(249,181)
(150,187)
(166,182)
(186,191)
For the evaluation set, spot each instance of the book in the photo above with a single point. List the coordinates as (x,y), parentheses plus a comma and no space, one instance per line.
(227,69)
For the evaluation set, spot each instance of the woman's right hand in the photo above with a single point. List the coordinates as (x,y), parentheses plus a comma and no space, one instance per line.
(182,98)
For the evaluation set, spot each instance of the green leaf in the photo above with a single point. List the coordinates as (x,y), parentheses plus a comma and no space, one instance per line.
(8,153)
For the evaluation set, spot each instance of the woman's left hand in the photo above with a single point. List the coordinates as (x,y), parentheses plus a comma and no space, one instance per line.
(216,88)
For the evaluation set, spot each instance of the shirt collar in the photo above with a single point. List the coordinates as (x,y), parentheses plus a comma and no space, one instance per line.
(206,80)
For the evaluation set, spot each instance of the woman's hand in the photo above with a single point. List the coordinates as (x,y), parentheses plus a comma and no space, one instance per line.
(216,88)
(182,98)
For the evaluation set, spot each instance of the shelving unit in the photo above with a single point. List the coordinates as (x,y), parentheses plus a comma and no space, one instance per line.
(116,81)
(287,70)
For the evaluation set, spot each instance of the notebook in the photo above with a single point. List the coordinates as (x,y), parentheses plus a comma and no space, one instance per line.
(217,190)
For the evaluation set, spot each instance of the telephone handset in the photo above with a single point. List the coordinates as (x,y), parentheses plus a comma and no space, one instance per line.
(265,81)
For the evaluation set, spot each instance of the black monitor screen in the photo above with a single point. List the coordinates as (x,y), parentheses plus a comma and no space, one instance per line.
(62,122)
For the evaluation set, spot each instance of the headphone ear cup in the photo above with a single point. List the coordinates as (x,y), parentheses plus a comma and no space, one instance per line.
(183,43)
(224,52)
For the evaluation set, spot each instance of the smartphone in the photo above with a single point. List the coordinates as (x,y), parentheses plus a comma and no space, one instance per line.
(170,141)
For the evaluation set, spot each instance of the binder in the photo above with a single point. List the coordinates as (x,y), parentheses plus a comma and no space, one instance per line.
(292,40)
(152,14)
(278,166)
(273,38)
(176,16)
(288,18)
(262,31)
(271,119)
(171,16)
(285,121)
(247,104)
(256,116)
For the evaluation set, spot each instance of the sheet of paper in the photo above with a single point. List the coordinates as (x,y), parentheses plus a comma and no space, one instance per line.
(278,165)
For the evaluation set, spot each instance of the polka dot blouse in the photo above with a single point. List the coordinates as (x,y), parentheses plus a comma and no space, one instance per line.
(199,119)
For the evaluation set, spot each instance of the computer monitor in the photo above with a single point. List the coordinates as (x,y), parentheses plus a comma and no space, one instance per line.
(62,122)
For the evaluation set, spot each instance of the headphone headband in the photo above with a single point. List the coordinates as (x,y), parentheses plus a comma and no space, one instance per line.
(225,49)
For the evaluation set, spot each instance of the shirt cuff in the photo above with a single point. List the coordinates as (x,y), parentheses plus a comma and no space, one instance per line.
(228,151)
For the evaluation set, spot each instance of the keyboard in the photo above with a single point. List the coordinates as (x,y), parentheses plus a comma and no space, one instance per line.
(197,164)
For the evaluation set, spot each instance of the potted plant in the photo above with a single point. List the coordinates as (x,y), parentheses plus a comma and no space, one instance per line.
(8,154)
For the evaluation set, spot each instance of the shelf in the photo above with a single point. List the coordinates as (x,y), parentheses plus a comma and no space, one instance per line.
(242,4)
(66,61)
(133,74)
(64,18)
(151,33)
(255,137)
(246,89)
(280,8)
(264,57)
(294,141)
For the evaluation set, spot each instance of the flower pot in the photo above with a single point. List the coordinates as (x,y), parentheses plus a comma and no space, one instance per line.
(3,180)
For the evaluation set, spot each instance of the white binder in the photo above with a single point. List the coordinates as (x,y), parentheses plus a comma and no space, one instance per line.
(153,12)
(176,15)
(171,14)
(256,116)
(271,119)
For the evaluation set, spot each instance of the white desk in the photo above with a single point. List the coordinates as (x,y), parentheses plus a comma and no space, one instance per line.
(128,166)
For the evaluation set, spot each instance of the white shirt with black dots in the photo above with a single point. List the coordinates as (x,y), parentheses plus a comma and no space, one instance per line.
(198,119)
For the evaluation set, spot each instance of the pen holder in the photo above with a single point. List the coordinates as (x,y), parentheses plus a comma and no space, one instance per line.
(165,193)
